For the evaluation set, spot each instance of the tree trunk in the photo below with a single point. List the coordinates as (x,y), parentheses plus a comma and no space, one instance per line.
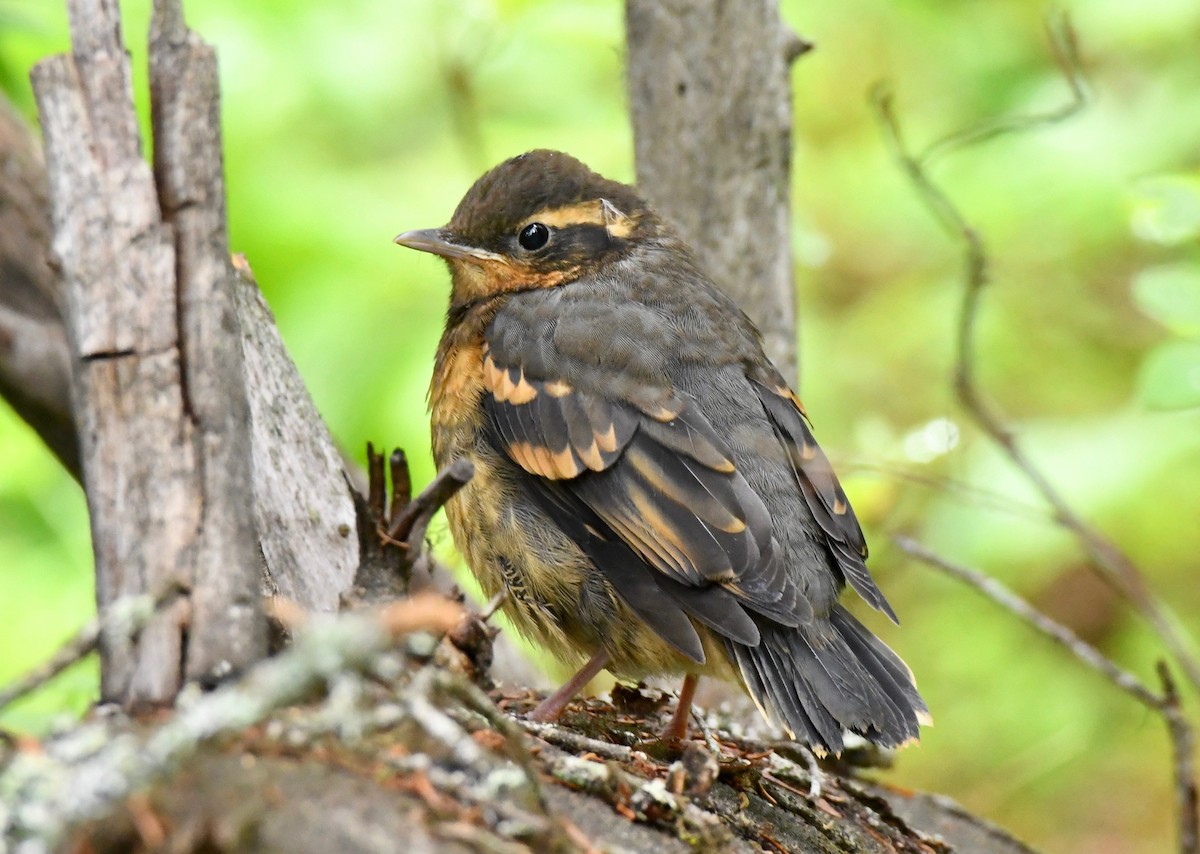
(710,97)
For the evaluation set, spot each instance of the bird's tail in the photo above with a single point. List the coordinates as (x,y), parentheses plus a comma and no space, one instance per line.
(818,682)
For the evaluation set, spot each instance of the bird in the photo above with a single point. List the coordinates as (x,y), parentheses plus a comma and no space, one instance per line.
(648,496)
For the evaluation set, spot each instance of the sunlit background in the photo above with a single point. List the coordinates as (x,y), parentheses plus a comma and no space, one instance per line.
(346,123)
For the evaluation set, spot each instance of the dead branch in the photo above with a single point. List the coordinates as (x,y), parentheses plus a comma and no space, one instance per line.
(391,534)
(1113,565)
(1179,730)
(1183,743)
(1001,595)
(412,522)
(122,620)
(145,448)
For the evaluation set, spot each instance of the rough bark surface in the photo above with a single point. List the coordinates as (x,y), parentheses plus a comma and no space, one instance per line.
(304,523)
(227,626)
(710,97)
(302,503)
(148,307)
(367,731)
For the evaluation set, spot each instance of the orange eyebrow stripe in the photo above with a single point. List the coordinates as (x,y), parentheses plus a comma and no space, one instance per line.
(584,213)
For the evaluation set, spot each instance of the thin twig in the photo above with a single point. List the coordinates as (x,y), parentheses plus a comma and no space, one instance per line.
(1105,557)
(1179,730)
(492,606)
(1065,46)
(411,523)
(1183,744)
(576,743)
(125,618)
(977,495)
(1001,595)
(710,740)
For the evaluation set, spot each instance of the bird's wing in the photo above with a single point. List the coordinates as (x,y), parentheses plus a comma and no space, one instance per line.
(822,492)
(645,486)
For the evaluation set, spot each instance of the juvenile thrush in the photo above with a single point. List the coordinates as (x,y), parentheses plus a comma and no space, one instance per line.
(647,489)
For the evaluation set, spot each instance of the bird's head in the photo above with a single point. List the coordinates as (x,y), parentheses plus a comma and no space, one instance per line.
(539,220)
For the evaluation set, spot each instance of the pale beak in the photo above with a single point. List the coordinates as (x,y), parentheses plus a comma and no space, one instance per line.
(439,241)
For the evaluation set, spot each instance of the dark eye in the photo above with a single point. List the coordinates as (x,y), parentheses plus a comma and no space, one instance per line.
(533,237)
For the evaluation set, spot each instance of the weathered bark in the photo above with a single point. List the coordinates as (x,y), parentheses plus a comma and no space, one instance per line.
(710,97)
(305,523)
(157,379)
(400,745)
(302,502)
(227,626)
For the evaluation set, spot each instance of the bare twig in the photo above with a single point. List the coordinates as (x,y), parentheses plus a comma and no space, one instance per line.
(123,618)
(1166,704)
(1105,556)
(493,605)
(412,522)
(978,496)
(1001,595)
(401,483)
(576,743)
(1183,743)
(1065,46)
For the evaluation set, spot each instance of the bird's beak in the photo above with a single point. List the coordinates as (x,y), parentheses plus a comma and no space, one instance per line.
(441,242)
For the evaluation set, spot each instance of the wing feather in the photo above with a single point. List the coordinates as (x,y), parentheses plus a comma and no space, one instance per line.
(822,492)
(669,519)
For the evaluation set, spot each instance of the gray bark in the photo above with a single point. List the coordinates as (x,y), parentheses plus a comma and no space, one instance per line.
(710,97)
(301,505)
(157,380)
(227,626)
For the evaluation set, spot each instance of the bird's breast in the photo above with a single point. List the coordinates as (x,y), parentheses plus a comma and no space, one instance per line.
(457,386)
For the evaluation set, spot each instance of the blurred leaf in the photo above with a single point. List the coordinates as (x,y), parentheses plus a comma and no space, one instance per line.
(1171,295)
(1166,209)
(1170,376)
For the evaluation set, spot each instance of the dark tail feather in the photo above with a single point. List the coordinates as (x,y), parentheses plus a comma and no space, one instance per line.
(818,683)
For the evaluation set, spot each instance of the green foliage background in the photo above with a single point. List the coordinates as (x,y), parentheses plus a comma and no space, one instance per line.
(347,123)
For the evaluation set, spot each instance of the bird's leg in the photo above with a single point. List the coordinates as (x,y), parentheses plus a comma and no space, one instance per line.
(551,707)
(677,729)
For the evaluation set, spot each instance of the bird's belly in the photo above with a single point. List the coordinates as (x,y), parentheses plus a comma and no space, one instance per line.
(556,597)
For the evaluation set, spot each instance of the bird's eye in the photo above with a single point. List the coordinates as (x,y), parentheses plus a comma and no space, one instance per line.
(533,236)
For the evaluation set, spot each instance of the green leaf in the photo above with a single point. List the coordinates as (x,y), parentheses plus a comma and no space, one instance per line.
(1166,209)
(1170,294)
(1170,376)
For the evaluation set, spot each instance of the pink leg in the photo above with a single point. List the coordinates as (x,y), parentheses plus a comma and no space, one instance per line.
(551,707)
(677,729)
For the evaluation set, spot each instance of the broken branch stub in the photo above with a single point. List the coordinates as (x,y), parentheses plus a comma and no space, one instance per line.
(148,307)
